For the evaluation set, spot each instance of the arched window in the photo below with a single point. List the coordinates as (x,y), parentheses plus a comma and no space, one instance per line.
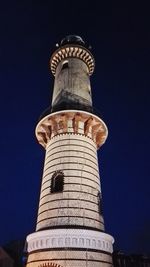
(65,65)
(57,182)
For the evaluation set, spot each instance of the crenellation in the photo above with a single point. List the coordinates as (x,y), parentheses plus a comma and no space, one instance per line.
(58,125)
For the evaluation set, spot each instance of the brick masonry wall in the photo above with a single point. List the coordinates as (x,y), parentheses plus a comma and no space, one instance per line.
(76,156)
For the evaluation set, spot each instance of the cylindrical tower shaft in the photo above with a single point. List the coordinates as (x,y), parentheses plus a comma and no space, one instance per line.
(72,157)
(70,225)
(72,88)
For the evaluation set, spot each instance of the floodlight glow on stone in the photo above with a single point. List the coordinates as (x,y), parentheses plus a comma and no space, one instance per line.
(70,228)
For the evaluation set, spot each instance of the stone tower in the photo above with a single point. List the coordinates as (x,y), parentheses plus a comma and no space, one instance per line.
(70,226)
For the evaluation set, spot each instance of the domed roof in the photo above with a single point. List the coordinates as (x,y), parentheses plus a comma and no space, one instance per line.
(72,39)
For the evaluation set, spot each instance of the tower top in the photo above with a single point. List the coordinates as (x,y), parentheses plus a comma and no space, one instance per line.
(72,46)
(72,39)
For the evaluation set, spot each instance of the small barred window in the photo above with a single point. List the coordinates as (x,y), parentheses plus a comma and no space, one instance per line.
(57,182)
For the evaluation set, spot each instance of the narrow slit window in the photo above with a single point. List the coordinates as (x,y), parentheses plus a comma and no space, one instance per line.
(57,182)
(100,206)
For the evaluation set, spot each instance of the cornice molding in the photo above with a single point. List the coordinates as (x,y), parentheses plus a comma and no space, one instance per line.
(71,122)
(73,51)
(70,238)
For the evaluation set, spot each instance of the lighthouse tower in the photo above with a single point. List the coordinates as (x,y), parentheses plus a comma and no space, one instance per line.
(70,226)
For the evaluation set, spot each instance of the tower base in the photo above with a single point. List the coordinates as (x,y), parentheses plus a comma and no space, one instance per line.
(69,248)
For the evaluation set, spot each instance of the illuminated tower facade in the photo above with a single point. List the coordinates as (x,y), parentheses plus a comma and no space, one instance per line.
(70,226)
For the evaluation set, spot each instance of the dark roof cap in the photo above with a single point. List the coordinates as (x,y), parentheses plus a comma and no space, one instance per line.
(72,39)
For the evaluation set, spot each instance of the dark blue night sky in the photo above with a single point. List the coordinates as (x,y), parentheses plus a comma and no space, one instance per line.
(120,38)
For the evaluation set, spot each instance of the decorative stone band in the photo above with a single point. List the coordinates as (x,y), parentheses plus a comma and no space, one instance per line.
(49,265)
(74,51)
(71,122)
(70,238)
